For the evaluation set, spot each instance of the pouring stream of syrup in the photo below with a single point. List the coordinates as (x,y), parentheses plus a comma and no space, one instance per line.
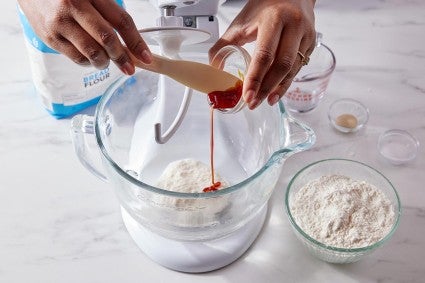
(220,100)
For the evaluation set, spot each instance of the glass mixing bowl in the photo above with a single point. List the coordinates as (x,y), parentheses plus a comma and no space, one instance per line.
(354,170)
(250,150)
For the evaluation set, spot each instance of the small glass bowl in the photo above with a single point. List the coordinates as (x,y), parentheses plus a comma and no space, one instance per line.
(398,146)
(357,171)
(234,60)
(342,112)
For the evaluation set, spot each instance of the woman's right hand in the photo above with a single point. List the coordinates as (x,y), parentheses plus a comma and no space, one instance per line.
(84,31)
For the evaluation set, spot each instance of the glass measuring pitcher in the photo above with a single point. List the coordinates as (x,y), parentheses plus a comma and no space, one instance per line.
(310,84)
(199,231)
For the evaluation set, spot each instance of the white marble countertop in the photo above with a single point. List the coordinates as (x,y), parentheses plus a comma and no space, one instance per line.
(58,223)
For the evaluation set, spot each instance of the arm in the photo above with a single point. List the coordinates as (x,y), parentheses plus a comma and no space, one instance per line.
(83,30)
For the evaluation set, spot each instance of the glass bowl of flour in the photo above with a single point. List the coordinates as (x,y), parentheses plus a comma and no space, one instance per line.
(341,209)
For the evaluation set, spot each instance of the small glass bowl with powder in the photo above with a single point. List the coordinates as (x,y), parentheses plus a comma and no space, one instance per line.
(348,115)
(341,209)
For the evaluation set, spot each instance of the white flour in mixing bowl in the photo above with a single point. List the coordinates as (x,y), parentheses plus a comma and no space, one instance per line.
(191,176)
(187,176)
(341,212)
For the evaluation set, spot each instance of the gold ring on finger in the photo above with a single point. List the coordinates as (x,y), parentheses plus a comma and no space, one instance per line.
(304,59)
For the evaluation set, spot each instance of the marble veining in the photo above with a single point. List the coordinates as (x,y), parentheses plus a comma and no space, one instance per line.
(58,223)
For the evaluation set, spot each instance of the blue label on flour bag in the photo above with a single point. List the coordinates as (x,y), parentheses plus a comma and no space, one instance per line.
(64,87)
(32,37)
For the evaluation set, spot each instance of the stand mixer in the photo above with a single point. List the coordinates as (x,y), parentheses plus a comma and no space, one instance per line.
(189,232)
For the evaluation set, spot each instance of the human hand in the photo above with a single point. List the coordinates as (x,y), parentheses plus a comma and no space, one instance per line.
(281,28)
(83,30)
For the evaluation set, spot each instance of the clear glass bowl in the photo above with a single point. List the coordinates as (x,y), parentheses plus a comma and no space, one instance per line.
(398,146)
(234,60)
(355,170)
(348,106)
(191,232)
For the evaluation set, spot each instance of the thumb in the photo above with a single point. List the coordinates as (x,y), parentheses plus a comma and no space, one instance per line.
(232,36)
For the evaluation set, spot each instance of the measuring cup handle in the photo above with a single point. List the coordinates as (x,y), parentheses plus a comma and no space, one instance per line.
(319,38)
(81,127)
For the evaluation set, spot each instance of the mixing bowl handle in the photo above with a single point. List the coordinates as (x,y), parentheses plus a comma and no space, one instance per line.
(298,137)
(81,126)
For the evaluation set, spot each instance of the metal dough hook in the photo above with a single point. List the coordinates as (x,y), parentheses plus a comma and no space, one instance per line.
(170,40)
(163,138)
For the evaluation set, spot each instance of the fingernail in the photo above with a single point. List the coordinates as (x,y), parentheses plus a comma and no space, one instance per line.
(127,68)
(146,57)
(273,99)
(249,96)
(253,103)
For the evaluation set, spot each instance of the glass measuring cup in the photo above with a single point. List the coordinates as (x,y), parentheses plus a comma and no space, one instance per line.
(310,84)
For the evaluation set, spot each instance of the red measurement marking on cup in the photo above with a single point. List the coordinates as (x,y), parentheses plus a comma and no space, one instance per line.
(299,95)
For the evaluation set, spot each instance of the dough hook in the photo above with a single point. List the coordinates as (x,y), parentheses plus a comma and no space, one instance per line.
(170,39)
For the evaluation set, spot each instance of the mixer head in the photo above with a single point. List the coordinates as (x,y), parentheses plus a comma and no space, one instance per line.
(197,14)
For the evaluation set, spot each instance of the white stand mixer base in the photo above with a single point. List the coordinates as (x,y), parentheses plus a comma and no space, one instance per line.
(194,256)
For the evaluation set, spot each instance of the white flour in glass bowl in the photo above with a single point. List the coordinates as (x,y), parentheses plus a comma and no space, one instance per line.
(341,212)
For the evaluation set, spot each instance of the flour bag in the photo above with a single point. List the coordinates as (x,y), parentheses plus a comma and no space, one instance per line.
(63,86)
